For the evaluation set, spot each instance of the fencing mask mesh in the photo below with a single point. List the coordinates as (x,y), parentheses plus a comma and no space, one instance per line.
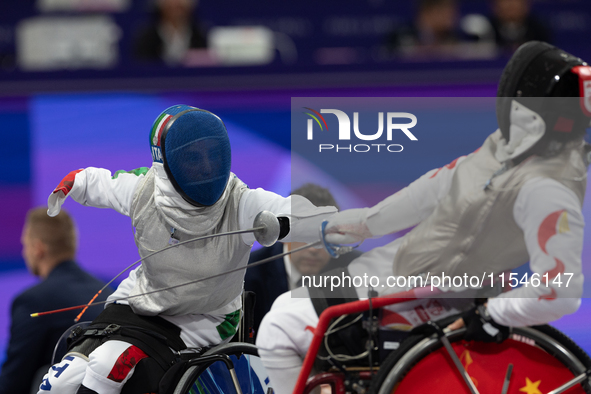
(194,147)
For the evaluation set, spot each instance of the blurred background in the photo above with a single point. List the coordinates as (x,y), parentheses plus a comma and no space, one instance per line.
(81,82)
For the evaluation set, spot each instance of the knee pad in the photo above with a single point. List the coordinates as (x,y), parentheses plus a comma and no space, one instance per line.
(115,360)
(64,377)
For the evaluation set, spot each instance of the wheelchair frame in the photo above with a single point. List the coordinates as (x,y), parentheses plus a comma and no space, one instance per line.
(336,311)
(581,366)
(202,361)
(218,353)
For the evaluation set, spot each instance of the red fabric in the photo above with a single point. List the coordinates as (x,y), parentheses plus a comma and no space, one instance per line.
(548,229)
(550,297)
(584,74)
(448,166)
(67,183)
(559,269)
(390,317)
(125,363)
(534,370)
(423,315)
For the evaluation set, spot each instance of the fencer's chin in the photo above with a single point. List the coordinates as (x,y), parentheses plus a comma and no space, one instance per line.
(165,195)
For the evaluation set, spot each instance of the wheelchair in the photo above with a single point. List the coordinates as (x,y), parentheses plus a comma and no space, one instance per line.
(232,367)
(533,360)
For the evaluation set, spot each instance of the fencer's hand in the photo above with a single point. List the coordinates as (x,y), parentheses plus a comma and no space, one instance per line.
(59,194)
(456,325)
(347,227)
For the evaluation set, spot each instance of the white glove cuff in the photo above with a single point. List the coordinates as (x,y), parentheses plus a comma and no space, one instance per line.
(54,203)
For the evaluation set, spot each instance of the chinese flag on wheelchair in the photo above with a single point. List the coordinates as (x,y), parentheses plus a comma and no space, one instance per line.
(365,357)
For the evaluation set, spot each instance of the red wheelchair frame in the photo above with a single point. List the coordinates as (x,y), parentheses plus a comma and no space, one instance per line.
(323,323)
(572,376)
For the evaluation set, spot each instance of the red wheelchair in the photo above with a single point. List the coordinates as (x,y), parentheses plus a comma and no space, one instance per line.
(534,360)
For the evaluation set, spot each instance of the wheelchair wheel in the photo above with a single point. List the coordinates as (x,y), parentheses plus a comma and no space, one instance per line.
(543,359)
(214,377)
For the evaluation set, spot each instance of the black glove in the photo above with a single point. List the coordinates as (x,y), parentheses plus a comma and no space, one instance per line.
(283,226)
(481,327)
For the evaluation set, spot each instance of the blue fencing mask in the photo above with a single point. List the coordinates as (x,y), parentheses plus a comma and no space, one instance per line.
(194,147)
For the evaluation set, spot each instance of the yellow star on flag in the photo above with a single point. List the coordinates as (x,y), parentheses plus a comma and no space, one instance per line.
(531,387)
(466,358)
(563,223)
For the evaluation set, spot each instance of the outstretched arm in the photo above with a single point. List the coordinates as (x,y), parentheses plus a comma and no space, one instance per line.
(401,210)
(304,217)
(551,219)
(96,187)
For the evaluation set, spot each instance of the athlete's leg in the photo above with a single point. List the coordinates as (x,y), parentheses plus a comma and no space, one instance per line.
(110,366)
(64,377)
(113,363)
(284,337)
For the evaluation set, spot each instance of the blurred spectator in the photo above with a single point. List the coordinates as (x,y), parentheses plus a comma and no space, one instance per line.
(271,280)
(7,50)
(434,26)
(514,24)
(49,248)
(437,32)
(174,31)
(436,22)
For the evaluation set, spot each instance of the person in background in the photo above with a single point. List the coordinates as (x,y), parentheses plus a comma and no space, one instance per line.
(434,30)
(271,280)
(514,24)
(171,34)
(439,32)
(49,249)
